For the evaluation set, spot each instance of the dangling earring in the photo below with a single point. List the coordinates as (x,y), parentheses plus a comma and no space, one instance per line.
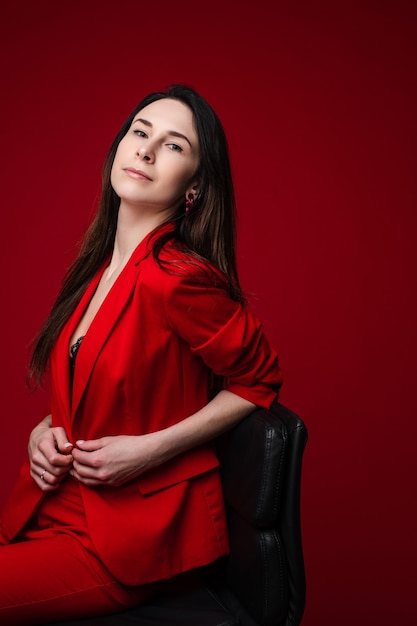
(189,203)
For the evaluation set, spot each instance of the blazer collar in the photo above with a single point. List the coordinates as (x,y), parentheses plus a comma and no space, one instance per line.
(145,247)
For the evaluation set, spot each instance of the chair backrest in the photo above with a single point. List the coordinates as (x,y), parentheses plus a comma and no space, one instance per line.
(261,480)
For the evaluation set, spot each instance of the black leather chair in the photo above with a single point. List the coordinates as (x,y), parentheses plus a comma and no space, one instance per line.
(262,581)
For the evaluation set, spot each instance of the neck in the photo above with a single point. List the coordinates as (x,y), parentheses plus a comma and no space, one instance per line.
(132,227)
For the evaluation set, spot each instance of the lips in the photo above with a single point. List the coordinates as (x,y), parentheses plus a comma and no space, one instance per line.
(137,174)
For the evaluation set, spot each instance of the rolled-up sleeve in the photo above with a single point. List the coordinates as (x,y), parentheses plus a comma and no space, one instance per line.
(227,336)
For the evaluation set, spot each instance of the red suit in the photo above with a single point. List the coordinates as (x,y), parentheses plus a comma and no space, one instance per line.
(146,363)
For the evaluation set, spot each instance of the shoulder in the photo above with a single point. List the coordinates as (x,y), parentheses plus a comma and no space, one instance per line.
(174,267)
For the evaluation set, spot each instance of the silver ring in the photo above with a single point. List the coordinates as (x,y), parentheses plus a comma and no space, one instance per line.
(43,474)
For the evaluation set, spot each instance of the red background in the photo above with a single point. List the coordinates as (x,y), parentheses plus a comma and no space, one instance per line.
(319,103)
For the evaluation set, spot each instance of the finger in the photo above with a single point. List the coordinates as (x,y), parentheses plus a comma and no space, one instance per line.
(61,440)
(90,456)
(85,459)
(45,480)
(52,476)
(51,459)
(49,448)
(85,475)
(58,464)
(90,445)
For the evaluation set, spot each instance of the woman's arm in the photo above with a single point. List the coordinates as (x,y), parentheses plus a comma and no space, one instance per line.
(218,416)
(229,339)
(115,460)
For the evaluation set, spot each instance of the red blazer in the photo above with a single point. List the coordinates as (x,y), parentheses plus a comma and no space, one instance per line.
(146,363)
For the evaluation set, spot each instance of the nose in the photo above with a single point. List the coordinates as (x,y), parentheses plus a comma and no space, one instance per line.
(145,153)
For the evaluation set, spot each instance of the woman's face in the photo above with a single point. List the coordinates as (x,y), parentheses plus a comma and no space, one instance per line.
(156,161)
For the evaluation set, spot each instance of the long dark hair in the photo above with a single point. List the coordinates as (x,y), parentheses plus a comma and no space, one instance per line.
(206,233)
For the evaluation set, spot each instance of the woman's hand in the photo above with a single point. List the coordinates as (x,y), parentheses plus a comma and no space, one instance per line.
(113,460)
(49,455)
(116,460)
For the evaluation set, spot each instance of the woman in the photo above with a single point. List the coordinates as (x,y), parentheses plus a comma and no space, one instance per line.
(121,488)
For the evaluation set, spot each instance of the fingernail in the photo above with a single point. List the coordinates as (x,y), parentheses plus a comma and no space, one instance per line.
(80,441)
(67,445)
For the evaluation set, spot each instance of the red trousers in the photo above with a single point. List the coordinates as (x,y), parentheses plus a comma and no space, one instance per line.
(51,571)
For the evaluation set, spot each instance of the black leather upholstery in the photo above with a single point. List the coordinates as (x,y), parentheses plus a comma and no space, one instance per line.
(262,582)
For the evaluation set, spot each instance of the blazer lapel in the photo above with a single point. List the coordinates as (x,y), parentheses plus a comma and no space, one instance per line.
(104,321)
(60,354)
(100,328)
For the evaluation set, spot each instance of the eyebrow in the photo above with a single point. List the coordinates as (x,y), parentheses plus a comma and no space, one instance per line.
(173,133)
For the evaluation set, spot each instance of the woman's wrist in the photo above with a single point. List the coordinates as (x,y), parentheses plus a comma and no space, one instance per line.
(45,424)
(47,421)
(159,450)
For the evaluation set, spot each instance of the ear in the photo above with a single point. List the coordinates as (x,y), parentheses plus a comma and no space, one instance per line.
(193,188)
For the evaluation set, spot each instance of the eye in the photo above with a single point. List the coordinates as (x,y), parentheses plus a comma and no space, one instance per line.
(174,147)
(141,133)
